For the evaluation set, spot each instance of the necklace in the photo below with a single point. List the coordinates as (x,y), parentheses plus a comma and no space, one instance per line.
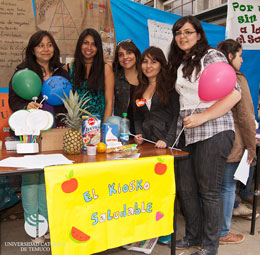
(88,63)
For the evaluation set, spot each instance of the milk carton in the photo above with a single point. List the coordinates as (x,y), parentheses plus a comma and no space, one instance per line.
(109,134)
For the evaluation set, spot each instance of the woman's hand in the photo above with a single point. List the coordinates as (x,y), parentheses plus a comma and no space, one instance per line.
(139,139)
(33,105)
(161,144)
(194,120)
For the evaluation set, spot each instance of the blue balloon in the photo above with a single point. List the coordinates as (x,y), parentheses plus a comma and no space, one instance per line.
(54,86)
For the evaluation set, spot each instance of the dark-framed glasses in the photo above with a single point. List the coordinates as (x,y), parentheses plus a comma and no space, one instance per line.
(126,40)
(184,33)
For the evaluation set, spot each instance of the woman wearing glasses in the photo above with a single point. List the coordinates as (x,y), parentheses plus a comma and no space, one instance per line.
(89,73)
(208,137)
(127,59)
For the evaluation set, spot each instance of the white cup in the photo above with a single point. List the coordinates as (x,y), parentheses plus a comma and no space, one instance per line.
(91,149)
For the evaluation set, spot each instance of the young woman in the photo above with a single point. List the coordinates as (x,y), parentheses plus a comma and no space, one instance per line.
(208,137)
(89,73)
(156,119)
(42,56)
(244,117)
(127,60)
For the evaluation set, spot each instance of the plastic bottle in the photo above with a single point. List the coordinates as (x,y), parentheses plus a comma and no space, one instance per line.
(124,130)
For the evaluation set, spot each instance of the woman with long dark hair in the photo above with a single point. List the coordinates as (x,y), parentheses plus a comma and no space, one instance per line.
(42,56)
(244,117)
(156,118)
(125,65)
(89,73)
(208,137)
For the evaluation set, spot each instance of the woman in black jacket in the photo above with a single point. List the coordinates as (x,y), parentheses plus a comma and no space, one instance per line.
(157,106)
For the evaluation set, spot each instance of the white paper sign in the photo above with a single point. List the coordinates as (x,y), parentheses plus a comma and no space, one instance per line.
(242,171)
(243,23)
(160,35)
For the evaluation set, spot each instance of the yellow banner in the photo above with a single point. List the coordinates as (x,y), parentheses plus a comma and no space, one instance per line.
(97,206)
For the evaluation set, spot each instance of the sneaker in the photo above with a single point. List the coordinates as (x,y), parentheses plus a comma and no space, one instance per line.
(165,239)
(184,243)
(38,240)
(204,252)
(242,210)
(231,238)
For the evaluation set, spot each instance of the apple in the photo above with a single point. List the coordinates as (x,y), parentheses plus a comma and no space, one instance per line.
(70,185)
(160,168)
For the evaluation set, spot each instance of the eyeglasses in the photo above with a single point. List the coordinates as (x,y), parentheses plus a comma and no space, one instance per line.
(126,40)
(185,33)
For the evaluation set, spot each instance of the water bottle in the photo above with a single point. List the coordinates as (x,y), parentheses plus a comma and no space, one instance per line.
(124,130)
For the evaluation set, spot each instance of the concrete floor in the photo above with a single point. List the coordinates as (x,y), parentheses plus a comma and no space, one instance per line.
(13,231)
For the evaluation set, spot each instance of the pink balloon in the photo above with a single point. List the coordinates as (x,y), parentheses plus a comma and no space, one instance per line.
(216,81)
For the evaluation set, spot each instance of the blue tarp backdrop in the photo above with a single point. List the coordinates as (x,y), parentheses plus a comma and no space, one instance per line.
(130,21)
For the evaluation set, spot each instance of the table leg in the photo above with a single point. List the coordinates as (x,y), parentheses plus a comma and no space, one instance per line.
(173,237)
(256,192)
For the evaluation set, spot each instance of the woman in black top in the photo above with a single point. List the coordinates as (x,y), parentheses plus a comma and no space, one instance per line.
(127,59)
(156,119)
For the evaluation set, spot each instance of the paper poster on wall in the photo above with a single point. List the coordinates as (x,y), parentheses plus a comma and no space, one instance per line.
(243,23)
(160,35)
(96,206)
(5,113)
(66,19)
(16,26)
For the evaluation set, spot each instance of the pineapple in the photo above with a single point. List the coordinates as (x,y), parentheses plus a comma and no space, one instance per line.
(72,139)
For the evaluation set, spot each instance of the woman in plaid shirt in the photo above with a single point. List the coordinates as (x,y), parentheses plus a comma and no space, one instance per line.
(208,137)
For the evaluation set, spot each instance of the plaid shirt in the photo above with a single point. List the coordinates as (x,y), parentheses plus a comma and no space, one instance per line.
(211,127)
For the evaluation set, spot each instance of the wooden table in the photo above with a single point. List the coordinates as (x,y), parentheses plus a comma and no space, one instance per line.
(146,150)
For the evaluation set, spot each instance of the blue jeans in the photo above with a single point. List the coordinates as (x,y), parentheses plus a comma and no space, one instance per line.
(198,183)
(228,196)
(34,195)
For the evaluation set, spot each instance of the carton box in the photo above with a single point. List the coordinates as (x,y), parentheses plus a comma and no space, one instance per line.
(52,139)
(109,134)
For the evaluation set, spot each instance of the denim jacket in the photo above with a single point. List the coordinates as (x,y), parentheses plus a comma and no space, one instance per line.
(123,94)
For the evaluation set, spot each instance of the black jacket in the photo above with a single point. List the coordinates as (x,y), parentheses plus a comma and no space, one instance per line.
(18,103)
(123,97)
(159,123)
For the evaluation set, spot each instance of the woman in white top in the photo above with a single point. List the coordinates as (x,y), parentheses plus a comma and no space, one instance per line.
(208,137)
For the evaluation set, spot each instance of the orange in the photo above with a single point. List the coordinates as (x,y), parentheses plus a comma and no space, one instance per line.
(101,147)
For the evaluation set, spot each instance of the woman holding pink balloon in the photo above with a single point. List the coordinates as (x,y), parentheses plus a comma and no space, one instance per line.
(42,61)
(244,117)
(208,132)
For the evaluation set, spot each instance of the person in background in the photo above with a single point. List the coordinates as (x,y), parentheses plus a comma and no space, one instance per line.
(90,74)
(208,136)
(42,56)
(244,117)
(156,118)
(127,60)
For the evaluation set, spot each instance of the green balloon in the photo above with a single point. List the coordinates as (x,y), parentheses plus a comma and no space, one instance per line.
(27,84)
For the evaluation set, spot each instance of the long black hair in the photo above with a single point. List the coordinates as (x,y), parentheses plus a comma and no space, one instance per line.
(162,84)
(30,60)
(192,59)
(229,46)
(128,46)
(96,75)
